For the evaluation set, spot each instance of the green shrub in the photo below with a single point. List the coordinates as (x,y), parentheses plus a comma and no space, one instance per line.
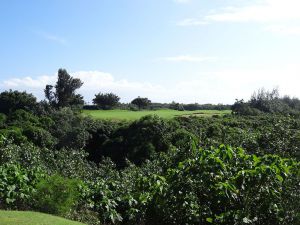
(15,134)
(17,186)
(56,195)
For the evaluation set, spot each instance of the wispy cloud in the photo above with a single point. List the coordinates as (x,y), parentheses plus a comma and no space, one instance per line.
(263,11)
(52,37)
(284,30)
(189,58)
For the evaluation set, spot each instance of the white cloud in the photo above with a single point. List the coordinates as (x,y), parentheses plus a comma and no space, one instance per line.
(189,58)
(222,86)
(94,82)
(259,11)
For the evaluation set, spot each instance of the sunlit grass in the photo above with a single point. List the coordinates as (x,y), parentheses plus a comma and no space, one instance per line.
(164,113)
(32,218)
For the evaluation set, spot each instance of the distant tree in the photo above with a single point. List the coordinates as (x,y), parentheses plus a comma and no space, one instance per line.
(106,100)
(12,100)
(243,108)
(141,102)
(176,106)
(263,101)
(64,93)
(266,101)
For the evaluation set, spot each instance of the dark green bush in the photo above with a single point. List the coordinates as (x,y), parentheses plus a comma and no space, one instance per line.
(138,141)
(56,195)
(39,136)
(3,118)
(14,100)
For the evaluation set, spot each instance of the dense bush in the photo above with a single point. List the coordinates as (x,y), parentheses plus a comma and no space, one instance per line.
(69,129)
(214,186)
(39,136)
(2,120)
(139,141)
(225,186)
(67,162)
(13,100)
(261,135)
(56,195)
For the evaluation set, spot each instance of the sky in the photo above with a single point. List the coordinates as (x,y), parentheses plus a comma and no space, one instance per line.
(205,51)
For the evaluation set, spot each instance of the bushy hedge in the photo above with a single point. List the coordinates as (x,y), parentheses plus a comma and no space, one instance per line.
(56,194)
(214,186)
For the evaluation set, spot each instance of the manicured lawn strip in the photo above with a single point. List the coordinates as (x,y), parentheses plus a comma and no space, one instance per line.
(164,113)
(32,218)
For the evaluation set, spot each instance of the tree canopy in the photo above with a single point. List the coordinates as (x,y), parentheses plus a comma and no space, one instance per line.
(106,100)
(141,102)
(13,100)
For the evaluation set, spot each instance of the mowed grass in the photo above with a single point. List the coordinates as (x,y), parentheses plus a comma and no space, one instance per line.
(32,218)
(164,113)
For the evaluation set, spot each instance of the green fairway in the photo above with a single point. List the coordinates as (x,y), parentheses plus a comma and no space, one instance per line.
(32,218)
(164,113)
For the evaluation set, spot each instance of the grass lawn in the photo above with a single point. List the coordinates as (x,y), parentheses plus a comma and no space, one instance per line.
(164,113)
(32,218)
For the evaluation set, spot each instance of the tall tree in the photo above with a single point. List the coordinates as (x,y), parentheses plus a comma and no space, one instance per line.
(65,90)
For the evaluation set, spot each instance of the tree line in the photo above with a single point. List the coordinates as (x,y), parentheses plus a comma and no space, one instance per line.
(63,94)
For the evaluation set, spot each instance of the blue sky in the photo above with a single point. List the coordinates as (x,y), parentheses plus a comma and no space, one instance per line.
(184,50)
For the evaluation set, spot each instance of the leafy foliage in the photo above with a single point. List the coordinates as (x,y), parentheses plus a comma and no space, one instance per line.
(56,195)
(214,186)
(16,186)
